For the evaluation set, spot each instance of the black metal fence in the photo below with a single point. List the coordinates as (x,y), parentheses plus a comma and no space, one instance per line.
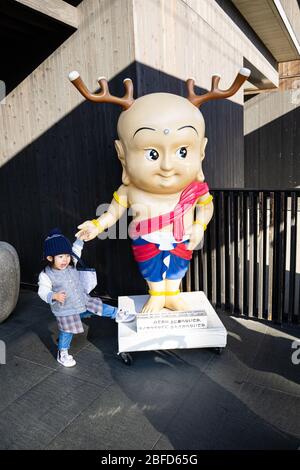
(250,262)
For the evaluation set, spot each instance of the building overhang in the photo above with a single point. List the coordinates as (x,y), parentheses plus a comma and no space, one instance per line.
(271,24)
(54,9)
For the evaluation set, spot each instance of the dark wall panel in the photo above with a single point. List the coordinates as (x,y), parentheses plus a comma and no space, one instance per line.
(272,154)
(223,165)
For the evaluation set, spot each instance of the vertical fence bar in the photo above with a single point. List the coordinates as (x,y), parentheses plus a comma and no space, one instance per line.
(285,260)
(182,285)
(278,273)
(296,311)
(218,250)
(209,264)
(232,254)
(213,261)
(255,250)
(188,278)
(265,271)
(251,256)
(201,273)
(236,225)
(246,238)
(222,249)
(271,257)
(227,251)
(297,278)
(196,270)
(292,278)
(204,266)
(241,261)
(261,236)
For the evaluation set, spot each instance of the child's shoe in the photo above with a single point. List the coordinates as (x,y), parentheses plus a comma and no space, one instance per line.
(124,316)
(65,359)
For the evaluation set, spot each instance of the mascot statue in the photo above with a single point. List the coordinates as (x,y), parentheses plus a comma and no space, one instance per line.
(161,147)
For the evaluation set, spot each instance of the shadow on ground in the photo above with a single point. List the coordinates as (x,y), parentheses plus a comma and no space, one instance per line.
(247,398)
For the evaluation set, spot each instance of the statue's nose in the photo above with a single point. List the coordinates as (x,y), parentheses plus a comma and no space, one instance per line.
(166,163)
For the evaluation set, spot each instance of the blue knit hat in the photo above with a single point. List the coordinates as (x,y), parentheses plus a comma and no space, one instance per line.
(57,244)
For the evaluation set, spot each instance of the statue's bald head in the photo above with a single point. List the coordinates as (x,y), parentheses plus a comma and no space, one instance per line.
(159,111)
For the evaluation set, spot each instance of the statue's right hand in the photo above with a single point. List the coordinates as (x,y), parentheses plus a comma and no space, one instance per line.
(88,231)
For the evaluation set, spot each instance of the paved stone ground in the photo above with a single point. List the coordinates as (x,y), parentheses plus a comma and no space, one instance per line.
(247,398)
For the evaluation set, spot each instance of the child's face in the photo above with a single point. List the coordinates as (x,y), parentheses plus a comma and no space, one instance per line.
(60,261)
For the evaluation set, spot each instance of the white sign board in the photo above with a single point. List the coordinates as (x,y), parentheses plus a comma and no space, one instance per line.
(133,339)
(178,321)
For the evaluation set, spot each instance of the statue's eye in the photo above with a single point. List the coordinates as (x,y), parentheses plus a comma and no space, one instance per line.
(181,153)
(151,154)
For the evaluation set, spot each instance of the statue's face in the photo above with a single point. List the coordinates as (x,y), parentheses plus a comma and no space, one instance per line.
(161,144)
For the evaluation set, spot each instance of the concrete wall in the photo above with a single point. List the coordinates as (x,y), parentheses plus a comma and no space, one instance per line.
(291,9)
(194,37)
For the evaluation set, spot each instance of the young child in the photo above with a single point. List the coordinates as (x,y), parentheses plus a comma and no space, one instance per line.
(59,286)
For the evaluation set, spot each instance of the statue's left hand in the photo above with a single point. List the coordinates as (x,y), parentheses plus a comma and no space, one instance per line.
(87,231)
(196,236)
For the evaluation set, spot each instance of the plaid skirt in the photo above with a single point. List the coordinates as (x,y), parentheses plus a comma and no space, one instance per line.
(73,323)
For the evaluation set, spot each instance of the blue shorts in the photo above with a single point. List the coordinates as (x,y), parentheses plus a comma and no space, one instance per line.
(164,265)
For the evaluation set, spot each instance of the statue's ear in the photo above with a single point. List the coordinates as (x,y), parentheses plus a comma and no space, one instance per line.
(200,175)
(203,146)
(120,150)
(121,156)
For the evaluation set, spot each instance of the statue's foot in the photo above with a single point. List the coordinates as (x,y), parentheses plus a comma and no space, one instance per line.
(176,302)
(154,304)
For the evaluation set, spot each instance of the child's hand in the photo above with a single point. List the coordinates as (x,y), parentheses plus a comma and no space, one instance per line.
(88,231)
(60,297)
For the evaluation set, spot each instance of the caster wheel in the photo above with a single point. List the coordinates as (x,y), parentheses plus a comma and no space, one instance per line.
(219,351)
(126,358)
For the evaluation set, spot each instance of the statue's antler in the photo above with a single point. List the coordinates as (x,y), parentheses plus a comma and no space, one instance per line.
(215,92)
(104,96)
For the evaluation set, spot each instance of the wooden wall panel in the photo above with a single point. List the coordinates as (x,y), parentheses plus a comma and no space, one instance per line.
(289,73)
(195,37)
(102,45)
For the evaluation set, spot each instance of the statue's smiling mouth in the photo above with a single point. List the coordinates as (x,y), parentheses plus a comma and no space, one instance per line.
(166,176)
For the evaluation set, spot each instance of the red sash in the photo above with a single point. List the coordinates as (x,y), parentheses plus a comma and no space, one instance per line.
(187,198)
(146,252)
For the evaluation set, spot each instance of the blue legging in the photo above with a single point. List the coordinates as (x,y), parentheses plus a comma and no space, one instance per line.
(65,339)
